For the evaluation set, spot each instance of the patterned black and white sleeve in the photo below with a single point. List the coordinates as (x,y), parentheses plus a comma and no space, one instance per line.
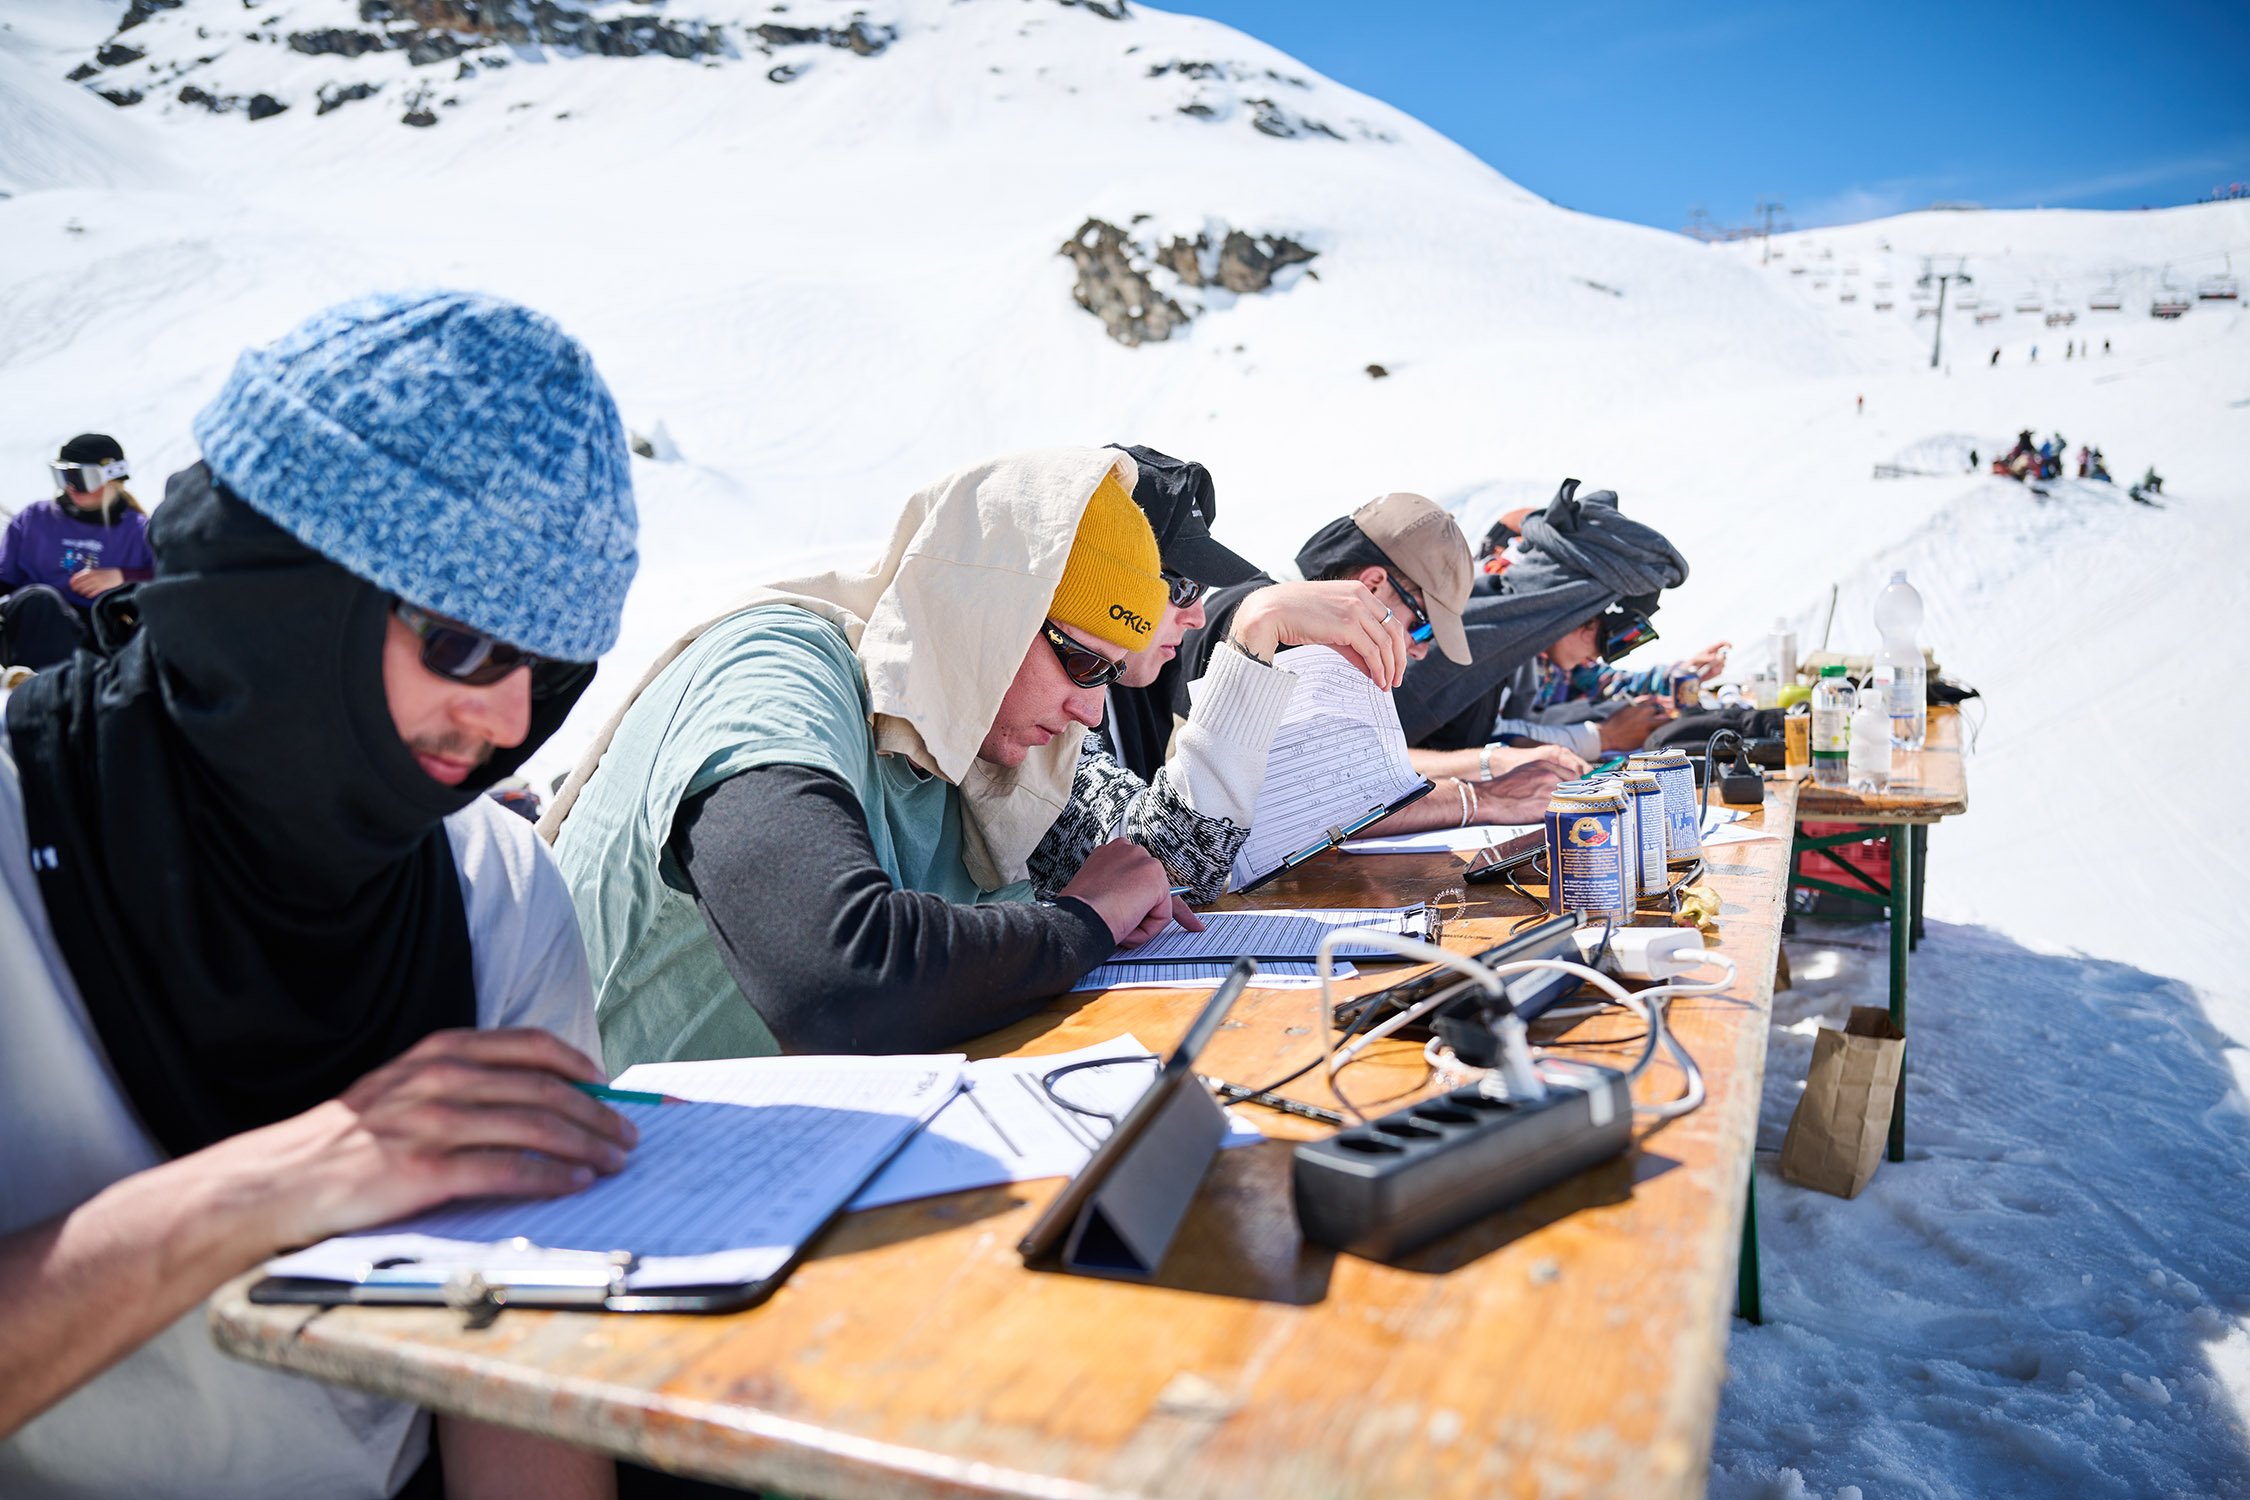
(1108,801)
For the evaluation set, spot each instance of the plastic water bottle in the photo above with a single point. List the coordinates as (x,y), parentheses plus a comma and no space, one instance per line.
(1832,703)
(1870,753)
(1783,642)
(1901,680)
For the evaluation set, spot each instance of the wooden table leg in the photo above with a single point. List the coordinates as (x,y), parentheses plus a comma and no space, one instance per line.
(1902,927)
(1748,1306)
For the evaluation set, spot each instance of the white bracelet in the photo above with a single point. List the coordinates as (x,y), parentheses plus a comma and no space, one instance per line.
(1468,803)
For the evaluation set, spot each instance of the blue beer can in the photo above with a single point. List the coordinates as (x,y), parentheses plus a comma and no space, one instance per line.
(1648,805)
(1589,869)
(1683,821)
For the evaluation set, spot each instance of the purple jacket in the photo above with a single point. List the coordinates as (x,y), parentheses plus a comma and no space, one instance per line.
(46,544)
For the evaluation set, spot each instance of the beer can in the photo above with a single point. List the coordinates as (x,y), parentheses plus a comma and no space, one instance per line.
(1648,807)
(1683,821)
(1588,870)
(1687,691)
(1629,831)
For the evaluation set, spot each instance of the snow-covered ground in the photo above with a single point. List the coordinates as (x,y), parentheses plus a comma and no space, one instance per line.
(821,292)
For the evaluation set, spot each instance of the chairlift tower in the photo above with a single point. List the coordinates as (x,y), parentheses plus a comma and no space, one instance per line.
(1942,278)
(1767,208)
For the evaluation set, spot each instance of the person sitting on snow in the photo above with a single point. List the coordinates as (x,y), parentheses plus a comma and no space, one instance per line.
(274,969)
(58,556)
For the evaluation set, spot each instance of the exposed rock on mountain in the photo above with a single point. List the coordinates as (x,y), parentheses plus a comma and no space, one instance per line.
(1123,281)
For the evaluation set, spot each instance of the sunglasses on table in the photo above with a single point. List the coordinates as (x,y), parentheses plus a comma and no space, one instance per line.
(1084,666)
(1184,590)
(467,655)
(1423,629)
(1622,630)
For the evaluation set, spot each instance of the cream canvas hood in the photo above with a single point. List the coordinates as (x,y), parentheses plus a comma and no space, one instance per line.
(940,625)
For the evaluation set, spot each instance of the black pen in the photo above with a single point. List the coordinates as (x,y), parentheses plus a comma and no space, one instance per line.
(1236,1093)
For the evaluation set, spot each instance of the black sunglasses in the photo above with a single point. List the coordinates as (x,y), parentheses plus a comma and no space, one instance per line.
(1623,629)
(456,651)
(1082,665)
(1423,629)
(1185,590)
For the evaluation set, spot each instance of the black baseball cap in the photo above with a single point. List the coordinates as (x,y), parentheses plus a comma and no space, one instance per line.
(1177,497)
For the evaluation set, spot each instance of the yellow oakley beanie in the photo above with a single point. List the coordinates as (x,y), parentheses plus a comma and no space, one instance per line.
(1113,586)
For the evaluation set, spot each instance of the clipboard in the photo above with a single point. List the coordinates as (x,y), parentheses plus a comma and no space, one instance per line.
(1118,1216)
(567,1280)
(1338,834)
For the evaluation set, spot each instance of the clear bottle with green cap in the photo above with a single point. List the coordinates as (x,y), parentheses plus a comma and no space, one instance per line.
(1832,703)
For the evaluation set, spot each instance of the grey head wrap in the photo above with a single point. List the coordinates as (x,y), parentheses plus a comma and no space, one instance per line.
(1581,555)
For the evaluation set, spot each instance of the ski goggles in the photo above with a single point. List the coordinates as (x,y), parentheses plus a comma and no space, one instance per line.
(1184,590)
(465,655)
(1623,630)
(1083,665)
(1423,629)
(85,479)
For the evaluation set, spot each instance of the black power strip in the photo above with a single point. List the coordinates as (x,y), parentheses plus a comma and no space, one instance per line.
(1394,1184)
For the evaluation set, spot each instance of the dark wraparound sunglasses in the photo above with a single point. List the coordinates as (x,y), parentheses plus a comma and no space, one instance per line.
(1423,629)
(465,655)
(1623,629)
(1086,667)
(1185,590)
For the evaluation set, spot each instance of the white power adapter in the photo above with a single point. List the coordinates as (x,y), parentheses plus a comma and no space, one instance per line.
(1645,952)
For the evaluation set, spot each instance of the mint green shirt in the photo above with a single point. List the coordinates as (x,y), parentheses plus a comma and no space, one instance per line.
(772,685)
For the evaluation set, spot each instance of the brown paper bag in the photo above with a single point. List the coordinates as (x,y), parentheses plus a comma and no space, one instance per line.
(1842,1123)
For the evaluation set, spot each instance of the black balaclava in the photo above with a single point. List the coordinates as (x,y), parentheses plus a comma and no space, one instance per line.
(246,870)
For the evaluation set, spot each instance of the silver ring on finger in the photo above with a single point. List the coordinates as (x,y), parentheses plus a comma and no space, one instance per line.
(1386,617)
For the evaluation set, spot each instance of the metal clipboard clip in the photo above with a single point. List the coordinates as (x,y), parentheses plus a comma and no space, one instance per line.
(516,1271)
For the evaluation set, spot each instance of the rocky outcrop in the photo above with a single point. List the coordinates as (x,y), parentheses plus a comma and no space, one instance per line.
(336,96)
(257,106)
(141,10)
(1117,291)
(1122,281)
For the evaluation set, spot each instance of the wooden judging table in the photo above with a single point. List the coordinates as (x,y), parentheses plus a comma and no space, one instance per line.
(1572,1346)
(1926,786)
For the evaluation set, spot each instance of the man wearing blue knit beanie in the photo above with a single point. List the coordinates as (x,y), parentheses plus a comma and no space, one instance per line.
(275,970)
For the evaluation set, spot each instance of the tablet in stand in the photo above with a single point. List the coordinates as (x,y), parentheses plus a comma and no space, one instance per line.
(1118,1216)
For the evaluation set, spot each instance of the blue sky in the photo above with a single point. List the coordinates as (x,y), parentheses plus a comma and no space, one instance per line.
(1641,111)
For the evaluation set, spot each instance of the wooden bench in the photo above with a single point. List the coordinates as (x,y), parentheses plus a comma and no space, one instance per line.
(1572,1346)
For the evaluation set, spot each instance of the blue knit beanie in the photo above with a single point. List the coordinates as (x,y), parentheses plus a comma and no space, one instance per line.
(458,451)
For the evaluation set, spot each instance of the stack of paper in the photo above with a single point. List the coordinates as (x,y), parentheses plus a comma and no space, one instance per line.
(1270,976)
(715,1193)
(1338,756)
(1006,1127)
(1443,840)
(1276,935)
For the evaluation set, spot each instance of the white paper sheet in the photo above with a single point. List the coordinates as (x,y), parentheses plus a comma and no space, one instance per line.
(1279,935)
(1338,754)
(1270,976)
(715,1191)
(1443,840)
(1004,1127)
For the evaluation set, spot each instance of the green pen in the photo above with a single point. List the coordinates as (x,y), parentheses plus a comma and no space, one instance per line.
(609,1095)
